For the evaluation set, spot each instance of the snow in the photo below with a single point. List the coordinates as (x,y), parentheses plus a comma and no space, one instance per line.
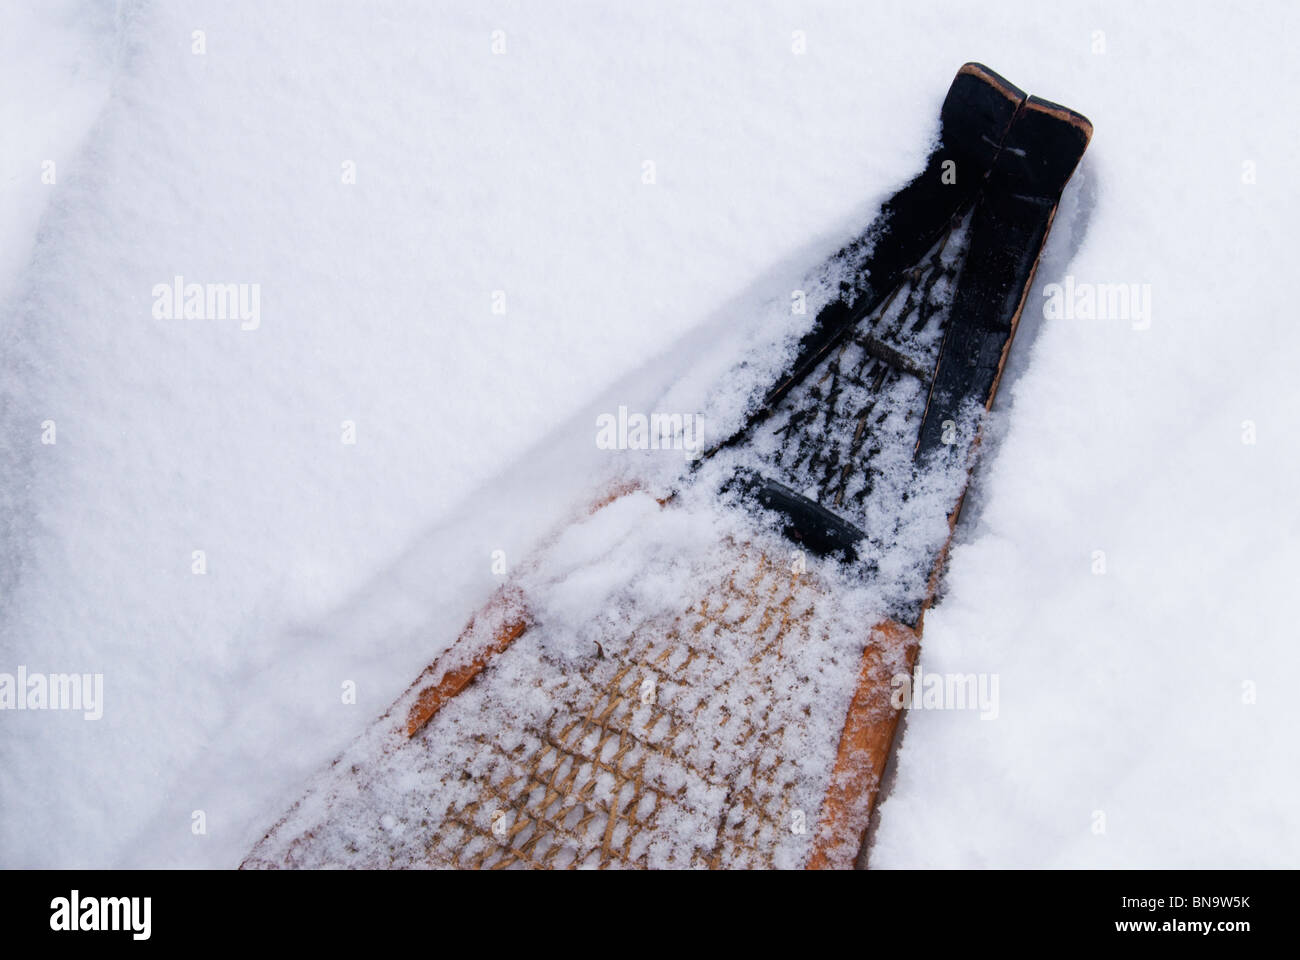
(1153,694)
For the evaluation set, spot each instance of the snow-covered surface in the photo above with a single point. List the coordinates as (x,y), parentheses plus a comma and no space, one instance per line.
(1145,715)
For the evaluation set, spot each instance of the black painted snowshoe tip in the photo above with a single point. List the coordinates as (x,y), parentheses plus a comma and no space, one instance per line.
(1012,155)
(977,112)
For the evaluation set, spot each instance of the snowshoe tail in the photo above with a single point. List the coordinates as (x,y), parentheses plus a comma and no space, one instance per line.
(706,738)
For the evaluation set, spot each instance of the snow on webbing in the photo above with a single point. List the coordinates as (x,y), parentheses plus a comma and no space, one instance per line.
(692,721)
(844,437)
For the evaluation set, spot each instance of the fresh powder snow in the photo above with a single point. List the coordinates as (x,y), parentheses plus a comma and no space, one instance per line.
(432,245)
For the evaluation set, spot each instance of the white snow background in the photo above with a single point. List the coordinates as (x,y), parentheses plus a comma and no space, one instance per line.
(1126,694)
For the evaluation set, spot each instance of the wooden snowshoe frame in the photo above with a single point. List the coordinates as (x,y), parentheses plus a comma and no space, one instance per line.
(581,788)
